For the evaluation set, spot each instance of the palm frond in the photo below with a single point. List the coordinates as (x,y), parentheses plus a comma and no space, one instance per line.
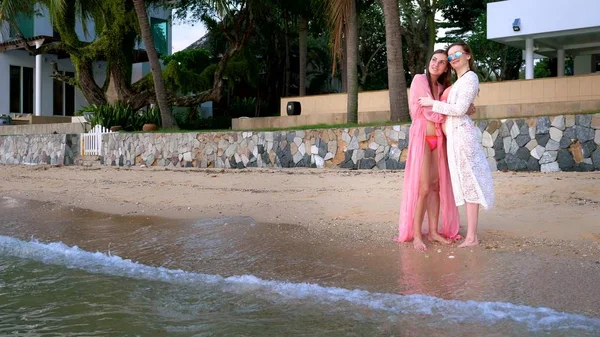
(9,9)
(339,12)
(57,9)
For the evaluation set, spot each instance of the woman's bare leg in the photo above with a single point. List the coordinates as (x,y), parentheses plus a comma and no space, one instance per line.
(433,207)
(422,200)
(472,223)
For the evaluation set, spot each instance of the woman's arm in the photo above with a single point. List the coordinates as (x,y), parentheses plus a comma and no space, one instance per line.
(419,88)
(465,97)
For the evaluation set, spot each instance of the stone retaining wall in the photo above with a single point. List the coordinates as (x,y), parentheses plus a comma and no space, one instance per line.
(568,142)
(39,149)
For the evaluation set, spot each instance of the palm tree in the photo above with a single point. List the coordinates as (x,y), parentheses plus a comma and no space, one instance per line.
(396,76)
(303,45)
(166,117)
(344,22)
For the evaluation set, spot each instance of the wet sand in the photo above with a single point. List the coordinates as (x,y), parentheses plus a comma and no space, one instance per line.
(532,208)
(546,276)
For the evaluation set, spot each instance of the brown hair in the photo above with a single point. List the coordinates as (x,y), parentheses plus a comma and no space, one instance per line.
(465,47)
(444,79)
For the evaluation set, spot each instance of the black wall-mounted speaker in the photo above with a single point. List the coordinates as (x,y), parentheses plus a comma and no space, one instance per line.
(293,108)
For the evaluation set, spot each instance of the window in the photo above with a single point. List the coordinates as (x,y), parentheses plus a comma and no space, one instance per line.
(63,97)
(21,90)
(69,97)
(28,90)
(57,97)
(25,24)
(160,35)
(15,89)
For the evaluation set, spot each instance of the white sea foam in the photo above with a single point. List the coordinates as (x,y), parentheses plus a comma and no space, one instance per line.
(535,318)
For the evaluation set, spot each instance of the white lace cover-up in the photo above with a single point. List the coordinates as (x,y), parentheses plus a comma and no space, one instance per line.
(469,171)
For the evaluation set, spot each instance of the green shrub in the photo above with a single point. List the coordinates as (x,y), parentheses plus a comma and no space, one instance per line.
(190,119)
(120,114)
(242,106)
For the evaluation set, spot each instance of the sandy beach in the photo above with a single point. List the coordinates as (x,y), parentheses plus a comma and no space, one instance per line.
(532,209)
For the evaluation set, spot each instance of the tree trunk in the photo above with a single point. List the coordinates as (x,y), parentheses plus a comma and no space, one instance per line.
(396,77)
(303,44)
(286,90)
(168,122)
(352,64)
(343,60)
(432,31)
(89,88)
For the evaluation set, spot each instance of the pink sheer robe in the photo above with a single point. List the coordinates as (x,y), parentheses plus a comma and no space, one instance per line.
(449,217)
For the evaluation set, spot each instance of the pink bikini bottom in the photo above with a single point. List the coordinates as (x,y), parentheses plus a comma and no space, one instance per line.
(432,141)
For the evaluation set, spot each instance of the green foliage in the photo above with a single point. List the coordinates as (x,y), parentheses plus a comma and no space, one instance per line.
(494,61)
(191,59)
(460,16)
(183,80)
(150,116)
(415,40)
(184,73)
(192,71)
(120,114)
(319,59)
(372,49)
(542,69)
(547,67)
(189,119)
(242,68)
(242,106)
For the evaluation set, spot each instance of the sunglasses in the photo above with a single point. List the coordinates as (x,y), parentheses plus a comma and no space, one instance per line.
(456,55)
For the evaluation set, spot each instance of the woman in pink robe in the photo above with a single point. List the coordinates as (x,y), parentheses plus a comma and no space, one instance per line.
(427,183)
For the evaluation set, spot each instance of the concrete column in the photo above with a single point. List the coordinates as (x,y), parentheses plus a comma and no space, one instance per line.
(528,58)
(560,63)
(38,81)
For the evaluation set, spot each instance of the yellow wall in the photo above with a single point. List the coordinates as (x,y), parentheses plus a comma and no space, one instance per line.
(537,97)
(33,129)
(545,90)
(31,119)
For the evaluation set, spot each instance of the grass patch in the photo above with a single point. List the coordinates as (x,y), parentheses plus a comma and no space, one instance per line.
(294,128)
(331,126)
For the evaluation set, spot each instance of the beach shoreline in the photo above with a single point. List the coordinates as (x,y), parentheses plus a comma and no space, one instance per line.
(532,208)
(333,228)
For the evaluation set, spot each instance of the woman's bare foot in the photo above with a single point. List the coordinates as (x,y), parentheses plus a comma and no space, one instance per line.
(436,237)
(469,242)
(419,244)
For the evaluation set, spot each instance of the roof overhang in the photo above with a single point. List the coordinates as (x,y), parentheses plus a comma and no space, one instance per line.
(139,55)
(575,42)
(27,43)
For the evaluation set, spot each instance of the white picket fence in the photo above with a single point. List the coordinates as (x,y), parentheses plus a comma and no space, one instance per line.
(91,142)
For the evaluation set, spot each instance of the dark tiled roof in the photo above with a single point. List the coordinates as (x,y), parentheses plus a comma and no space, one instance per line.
(18,43)
(200,43)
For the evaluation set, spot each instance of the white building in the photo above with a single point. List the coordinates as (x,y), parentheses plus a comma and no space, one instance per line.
(549,28)
(25,80)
